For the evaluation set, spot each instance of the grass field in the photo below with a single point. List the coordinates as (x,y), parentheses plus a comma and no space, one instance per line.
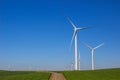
(24,75)
(105,74)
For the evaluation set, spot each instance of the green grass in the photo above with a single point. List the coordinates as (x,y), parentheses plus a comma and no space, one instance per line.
(24,75)
(105,74)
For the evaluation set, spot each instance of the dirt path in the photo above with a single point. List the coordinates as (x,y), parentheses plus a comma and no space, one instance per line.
(57,76)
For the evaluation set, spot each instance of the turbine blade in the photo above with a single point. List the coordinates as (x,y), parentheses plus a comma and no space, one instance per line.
(99,46)
(83,28)
(72,38)
(87,45)
(71,22)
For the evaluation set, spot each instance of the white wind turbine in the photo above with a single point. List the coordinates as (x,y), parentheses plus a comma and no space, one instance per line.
(72,66)
(76,43)
(93,49)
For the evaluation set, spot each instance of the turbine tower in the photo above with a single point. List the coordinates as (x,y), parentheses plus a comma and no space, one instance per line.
(79,61)
(92,51)
(76,43)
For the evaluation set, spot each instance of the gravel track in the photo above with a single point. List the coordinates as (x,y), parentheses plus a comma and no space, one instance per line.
(57,76)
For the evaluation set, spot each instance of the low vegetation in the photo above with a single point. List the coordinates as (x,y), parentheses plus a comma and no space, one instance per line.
(24,75)
(106,74)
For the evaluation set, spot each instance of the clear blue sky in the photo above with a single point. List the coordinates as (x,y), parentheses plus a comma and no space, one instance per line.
(37,33)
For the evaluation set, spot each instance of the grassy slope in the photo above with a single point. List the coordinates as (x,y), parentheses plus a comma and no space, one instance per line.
(106,74)
(23,75)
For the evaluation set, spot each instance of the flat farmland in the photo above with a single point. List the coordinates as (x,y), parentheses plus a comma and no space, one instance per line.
(105,74)
(24,75)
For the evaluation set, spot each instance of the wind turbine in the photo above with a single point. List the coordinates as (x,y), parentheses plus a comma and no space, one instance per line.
(76,43)
(72,66)
(92,51)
